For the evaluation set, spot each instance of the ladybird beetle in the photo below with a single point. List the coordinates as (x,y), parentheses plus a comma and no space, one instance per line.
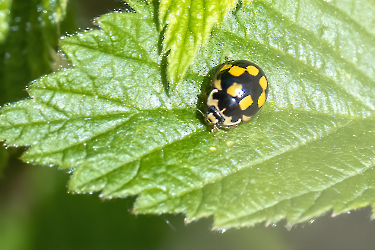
(240,89)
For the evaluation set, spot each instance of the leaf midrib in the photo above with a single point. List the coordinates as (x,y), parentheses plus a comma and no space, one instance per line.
(330,8)
(197,133)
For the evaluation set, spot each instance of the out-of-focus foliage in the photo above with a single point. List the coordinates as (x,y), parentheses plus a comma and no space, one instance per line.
(29,37)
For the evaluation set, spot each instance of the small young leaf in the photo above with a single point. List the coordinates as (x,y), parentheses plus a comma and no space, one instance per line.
(188,26)
(310,150)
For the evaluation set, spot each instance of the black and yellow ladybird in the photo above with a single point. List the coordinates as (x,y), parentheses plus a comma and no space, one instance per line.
(240,89)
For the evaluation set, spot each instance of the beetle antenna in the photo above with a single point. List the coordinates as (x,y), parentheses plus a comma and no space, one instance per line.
(201,113)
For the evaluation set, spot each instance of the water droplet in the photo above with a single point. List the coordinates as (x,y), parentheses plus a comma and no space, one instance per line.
(170,225)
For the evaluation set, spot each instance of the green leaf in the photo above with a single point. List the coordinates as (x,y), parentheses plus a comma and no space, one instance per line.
(311,149)
(29,42)
(188,26)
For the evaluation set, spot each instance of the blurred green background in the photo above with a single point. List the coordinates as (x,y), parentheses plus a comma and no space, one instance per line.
(36,212)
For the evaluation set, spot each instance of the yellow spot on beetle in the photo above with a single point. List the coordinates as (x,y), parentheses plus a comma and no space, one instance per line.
(263,82)
(246,102)
(235,90)
(226,67)
(246,118)
(262,99)
(252,70)
(236,71)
